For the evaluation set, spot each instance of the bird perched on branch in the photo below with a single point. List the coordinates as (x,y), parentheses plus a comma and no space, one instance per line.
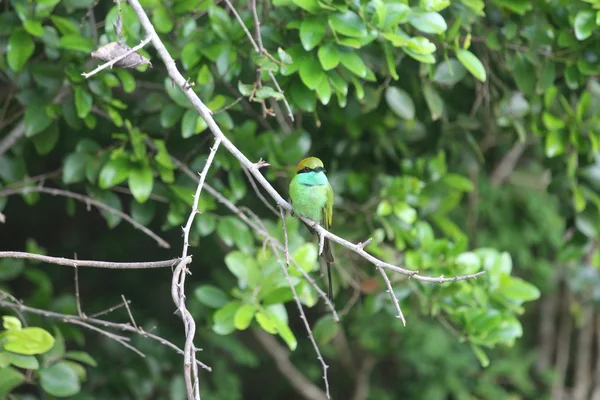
(312,198)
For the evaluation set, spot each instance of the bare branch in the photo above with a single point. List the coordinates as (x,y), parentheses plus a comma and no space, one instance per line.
(88,201)
(13,136)
(178,289)
(68,318)
(390,290)
(284,268)
(281,356)
(94,264)
(126,303)
(77,298)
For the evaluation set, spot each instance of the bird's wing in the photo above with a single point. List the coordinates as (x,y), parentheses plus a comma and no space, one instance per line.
(328,209)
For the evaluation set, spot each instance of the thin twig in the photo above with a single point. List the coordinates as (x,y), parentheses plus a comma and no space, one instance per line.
(299,304)
(258,193)
(77,298)
(259,47)
(88,201)
(68,318)
(392,295)
(112,62)
(85,263)
(126,303)
(108,310)
(120,339)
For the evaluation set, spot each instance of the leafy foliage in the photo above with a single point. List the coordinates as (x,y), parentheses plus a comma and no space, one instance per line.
(460,135)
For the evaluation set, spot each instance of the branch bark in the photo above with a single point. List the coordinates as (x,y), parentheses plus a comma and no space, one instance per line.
(281,356)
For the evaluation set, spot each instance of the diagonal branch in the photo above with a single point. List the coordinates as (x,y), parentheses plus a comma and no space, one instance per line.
(281,356)
(205,113)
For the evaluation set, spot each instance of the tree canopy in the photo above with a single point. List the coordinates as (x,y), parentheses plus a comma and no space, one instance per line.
(141,202)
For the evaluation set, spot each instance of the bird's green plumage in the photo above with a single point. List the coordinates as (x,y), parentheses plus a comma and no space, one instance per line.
(312,198)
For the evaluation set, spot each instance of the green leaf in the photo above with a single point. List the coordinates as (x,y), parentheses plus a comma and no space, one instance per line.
(459,182)
(396,13)
(224,317)
(400,103)
(429,22)
(11,323)
(311,6)
(434,101)
(23,361)
(481,356)
(114,172)
(28,341)
(211,296)
(311,73)
(584,24)
(45,141)
(83,101)
(284,331)
(517,289)
(33,27)
(141,182)
(555,144)
(59,380)
(405,213)
(190,55)
(324,91)
(449,73)
(170,115)
(348,24)
(306,257)
(468,262)
(20,48)
(82,357)
(77,43)
(303,97)
(244,268)
(162,20)
(354,63)
(36,118)
(325,329)
(472,64)
(10,378)
(552,122)
(74,167)
(243,316)
(284,57)
(329,56)
(312,31)
(265,92)
(11,268)
(266,323)
(188,123)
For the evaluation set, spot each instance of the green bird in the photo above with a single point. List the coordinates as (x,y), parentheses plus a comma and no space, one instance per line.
(312,198)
